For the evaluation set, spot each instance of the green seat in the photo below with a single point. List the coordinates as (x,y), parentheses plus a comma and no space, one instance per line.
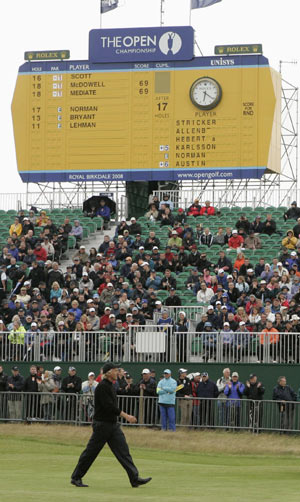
(197,345)
(71,242)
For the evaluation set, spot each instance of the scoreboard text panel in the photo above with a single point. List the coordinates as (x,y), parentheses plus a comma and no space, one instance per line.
(75,121)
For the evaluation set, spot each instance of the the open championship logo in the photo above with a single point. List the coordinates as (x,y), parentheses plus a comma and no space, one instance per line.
(170,43)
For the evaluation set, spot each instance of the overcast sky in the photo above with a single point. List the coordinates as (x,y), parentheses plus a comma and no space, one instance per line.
(64,24)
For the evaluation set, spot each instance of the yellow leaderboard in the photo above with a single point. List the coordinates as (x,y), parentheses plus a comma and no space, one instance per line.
(208,118)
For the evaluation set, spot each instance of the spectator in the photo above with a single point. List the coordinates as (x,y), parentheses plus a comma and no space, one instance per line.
(16,228)
(15,385)
(42,219)
(243,224)
(207,391)
(152,213)
(40,253)
(209,338)
(88,390)
(204,294)
(236,241)
(147,388)
(194,209)
(182,327)
(175,242)
(3,387)
(207,210)
(152,241)
(234,392)
(166,391)
(77,232)
(134,228)
(173,300)
(166,202)
(269,341)
(252,241)
(296,229)
(71,385)
(166,218)
(219,238)
(257,226)
(290,241)
(293,213)
(185,402)
(240,260)
(47,385)
(206,239)
(269,226)
(104,212)
(221,384)
(254,391)
(285,396)
(16,339)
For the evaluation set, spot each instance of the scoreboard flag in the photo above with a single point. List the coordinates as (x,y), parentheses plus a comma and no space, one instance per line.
(199,4)
(108,5)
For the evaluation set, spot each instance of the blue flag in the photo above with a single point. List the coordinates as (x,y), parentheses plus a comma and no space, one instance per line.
(107,5)
(199,4)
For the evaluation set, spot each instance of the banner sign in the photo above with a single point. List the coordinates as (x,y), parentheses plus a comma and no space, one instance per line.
(141,44)
(46,55)
(239,49)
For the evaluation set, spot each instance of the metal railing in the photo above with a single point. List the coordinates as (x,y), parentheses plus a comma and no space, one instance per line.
(152,343)
(198,413)
(224,196)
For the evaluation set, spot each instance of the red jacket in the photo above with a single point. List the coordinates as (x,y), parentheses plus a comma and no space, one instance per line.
(209,211)
(194,210)
(236,242)
(40,254)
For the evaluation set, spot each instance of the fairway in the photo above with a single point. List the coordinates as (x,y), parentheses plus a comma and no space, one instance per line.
(36,462)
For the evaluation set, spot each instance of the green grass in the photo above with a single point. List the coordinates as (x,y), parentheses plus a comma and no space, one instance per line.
(36,462)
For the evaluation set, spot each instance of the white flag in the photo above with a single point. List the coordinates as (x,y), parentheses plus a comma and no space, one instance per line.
(199,4)
(107,5)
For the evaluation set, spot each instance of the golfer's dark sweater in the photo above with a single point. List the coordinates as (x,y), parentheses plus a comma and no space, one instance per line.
(106,404)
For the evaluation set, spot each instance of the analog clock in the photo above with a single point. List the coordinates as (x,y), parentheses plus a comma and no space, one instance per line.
(205,93)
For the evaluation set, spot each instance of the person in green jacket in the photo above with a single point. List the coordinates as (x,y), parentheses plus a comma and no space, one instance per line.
(166,391)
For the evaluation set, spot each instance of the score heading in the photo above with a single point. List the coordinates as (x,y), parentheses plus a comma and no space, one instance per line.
(207,118)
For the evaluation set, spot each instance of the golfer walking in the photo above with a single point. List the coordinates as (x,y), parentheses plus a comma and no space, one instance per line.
(107,430)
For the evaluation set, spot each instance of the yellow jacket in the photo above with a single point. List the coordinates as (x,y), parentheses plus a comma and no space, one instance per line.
(15,228)
(289,242)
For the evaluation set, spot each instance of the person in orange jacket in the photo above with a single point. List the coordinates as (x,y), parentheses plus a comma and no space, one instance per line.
(269,342)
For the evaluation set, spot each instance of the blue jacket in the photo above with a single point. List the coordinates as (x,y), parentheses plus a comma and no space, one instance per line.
(166,390)
(103,211)
(235,392)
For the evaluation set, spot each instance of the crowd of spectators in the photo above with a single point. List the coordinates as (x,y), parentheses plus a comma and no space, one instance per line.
(200,400)
(118,285)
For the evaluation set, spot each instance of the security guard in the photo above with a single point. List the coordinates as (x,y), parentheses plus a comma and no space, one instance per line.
(107,430)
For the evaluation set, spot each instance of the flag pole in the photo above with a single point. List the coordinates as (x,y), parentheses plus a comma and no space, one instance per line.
(190,12)
(100,13)
(162,12)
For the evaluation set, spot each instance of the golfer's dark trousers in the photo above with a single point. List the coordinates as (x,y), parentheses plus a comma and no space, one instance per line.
(110,433)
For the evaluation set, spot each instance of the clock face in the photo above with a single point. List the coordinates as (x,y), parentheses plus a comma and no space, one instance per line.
(206,93)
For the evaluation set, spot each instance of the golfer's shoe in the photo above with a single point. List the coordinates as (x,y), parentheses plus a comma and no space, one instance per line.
(78,482)
(140,481)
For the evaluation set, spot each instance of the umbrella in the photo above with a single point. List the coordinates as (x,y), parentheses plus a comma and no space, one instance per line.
(94,201)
